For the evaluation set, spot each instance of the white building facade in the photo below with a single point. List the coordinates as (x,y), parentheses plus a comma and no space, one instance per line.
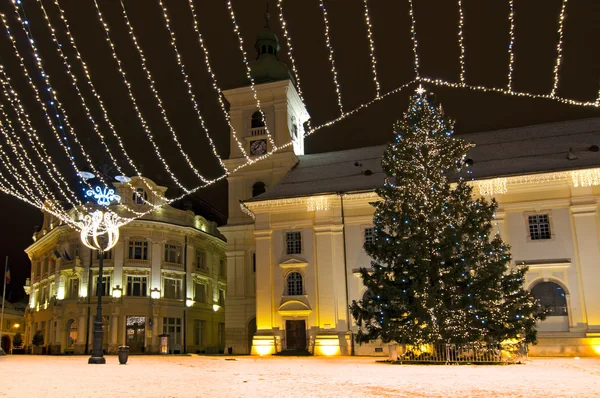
(166,275)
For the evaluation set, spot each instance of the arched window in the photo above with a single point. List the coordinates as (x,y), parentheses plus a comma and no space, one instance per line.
(552,297)
(258,188)
(257,120)
(140,196)
(72,330)
(294,284)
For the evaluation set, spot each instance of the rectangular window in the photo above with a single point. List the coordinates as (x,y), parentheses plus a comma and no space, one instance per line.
(369,235)
(137,286)
(172,288)
(172,254)
(539,227)
(138,250)
(293,242)
(222,297)
(201,260)
(172,327)
(74,288)
(199,331)
(222,267)
(199,292)
(105,286)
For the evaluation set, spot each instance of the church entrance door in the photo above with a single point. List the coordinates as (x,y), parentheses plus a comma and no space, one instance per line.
(295,334)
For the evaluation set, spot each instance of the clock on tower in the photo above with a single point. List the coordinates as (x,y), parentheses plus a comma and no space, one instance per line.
(258,147)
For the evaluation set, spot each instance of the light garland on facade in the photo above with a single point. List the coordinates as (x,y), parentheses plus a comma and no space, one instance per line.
(413,36)
(331,58)
(215,83)
(100,102)
(585,178)
(461,43)
(189,84)
(159,102)
(290,51)
(236,29)
(511,54)
(491,187)
(372,49)
(561,21)
(134,101)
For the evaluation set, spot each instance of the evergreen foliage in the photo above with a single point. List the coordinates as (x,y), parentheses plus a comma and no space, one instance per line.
(18,340)
(38,338)
(439,273)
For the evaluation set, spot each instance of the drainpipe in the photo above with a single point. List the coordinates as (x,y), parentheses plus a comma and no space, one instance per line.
(346,274)
(185,295)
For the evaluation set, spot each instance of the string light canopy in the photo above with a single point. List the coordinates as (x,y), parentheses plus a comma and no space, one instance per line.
(31,172)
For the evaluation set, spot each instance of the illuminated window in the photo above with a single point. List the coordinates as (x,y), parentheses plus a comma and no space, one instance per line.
(552,297)
(294,284)
(105,285)
(140,196)
(257,120)
(137,286)
(138,250)
(72,336)
(200,292)
(293,242)
(172,288)
(201,260)
(199,332)
(172,254)
(369,235)
(539,227)
(172,327)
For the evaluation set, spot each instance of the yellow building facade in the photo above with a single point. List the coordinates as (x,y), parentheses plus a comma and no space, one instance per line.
(166,275)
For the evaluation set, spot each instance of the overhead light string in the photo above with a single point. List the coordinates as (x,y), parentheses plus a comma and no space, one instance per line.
(134,101)
(511,54)
(189,84)
(215,83)
(290,51)
(561,21)
(331,58)
(413,36)
(159,101)
(372,48)
(236,29)
(461,44)
(26,125)
(98,98)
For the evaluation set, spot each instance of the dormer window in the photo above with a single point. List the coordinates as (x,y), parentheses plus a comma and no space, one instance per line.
(257,120)
(140,196)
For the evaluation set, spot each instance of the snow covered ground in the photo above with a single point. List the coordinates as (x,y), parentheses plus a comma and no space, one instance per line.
(219,376)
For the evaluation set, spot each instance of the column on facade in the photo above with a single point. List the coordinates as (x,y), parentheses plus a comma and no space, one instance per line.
(155,333)
(191,258)
(114,328)
(585,221)
(264,284)
(156,257)
(117,277)
(81,328)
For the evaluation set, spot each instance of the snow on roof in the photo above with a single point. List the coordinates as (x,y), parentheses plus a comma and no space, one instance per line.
(523,150)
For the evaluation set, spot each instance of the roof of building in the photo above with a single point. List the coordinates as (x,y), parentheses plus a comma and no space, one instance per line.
(499,153)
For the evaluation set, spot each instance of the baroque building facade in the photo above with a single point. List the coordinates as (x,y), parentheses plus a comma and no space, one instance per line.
(297,223)
(166,275)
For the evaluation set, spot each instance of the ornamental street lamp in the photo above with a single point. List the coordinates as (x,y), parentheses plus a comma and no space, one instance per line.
(100,231)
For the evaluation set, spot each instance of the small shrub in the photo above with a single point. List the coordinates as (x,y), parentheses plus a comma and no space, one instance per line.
(18,340)
(38,339)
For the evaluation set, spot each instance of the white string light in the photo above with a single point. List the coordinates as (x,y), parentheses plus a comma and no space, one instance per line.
(561,21)
(215,83)
(25,123)
(189,84)
(461,41)
(157,97)
(413,36)
(511,54)
(331,57)
(134,101)
(290,51)
(236,29)
(372,49)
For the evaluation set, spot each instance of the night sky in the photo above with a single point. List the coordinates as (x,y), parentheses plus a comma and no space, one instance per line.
(486,41)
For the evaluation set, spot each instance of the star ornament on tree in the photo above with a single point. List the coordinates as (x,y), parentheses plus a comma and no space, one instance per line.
(420,90)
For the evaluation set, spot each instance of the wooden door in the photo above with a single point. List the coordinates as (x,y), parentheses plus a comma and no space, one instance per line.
(295,335)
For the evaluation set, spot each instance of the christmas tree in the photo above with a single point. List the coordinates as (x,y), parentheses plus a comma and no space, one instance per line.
(437,275)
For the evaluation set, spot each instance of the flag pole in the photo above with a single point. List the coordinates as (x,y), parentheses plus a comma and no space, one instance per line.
(3,298)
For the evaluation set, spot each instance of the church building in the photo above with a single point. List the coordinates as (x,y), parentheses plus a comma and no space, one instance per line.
(297,223)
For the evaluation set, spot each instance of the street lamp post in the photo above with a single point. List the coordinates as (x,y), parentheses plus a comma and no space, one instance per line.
(100,231)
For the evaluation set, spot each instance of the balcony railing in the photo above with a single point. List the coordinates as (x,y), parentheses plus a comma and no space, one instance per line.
(132,262)
(169,265)
(258,131)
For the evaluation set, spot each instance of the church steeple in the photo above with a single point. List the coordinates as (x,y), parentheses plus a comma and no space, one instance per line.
(267,67)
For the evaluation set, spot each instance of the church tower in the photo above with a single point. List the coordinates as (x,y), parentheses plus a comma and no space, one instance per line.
(284,118)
